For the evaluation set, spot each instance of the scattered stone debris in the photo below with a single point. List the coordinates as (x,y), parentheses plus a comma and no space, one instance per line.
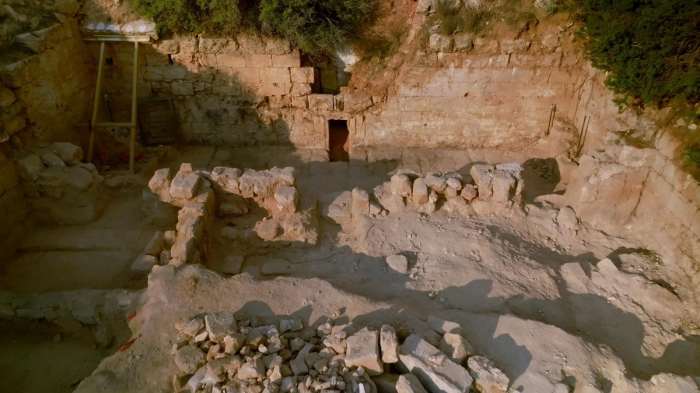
(217,353)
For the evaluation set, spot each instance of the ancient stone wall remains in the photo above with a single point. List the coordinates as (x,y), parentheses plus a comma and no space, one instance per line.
(498,94)
(42,97)
(249,91)
(45,95)
(238,92)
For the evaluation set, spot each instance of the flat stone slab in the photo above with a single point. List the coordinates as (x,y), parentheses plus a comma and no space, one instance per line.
(432,368)
(184,185)
(363,351)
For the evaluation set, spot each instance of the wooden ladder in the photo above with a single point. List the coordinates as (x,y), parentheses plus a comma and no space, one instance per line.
(103,39)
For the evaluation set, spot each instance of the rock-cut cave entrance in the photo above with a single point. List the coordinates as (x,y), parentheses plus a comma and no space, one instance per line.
(338,144)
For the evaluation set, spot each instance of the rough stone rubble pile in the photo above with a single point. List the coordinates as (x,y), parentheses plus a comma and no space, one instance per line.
(203,195)
(216,353)
(62,190)
(490,189)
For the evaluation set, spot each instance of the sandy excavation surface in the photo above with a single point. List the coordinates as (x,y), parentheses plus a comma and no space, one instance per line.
(548,305)
(554,305)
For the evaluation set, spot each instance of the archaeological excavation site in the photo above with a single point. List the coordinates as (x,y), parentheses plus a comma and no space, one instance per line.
(350,196)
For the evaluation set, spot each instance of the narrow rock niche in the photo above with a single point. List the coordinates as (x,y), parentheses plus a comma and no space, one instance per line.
(338,140)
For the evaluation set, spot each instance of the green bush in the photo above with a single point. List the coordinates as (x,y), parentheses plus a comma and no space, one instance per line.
(315,26)
(651,48)
(692,154)
(213,17)
(459,19)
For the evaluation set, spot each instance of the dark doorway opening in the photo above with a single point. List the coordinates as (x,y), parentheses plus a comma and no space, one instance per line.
(338,143)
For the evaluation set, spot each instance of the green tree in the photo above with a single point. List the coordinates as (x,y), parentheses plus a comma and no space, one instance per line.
(213,17)
(315,26)
(651,48)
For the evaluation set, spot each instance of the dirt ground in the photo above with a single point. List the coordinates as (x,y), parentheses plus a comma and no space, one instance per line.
(30,360)
(542,302)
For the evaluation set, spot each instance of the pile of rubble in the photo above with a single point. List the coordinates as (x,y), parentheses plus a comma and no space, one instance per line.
(216,353)
(61,189)
(490,189)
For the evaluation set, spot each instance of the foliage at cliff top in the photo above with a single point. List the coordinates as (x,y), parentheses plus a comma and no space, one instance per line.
(651,48)
(315,26)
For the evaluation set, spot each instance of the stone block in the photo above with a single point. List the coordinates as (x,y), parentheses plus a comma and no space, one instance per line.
(182,88)
(504,186)
(184,250)
(389,344)
(302,75)
(157,59)
(258,60)
(155,245)
(51,160)
(401,185)
(397,263)
(68,152)
(386,383)
(292,59)
(440,43)
(274,75)
(321,102)
(230,61)
(159,183)
(360,203)
(456,347)
(184,185)
(192,227)
(338,208)
(143,265)
(463,42)
(436,182)
(363,351)
(57,181)
(226,178)
(287,198)
(418,357)
(220,325)
(513,46)
(29,167)
(482,175)
(300,89)
(420,191)
(189,359)
(356,102)
(487,377)
(409,383)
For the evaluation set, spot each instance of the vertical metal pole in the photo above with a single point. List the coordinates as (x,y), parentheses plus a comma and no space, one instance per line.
(96,106)
(133,108)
